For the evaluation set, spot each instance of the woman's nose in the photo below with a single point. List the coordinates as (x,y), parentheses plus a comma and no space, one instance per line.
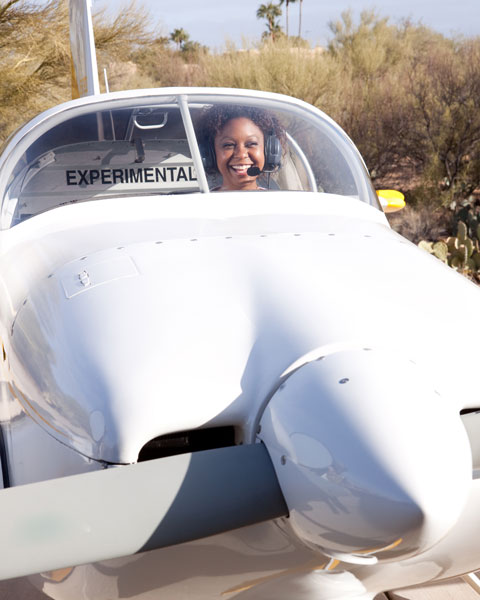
(241,150)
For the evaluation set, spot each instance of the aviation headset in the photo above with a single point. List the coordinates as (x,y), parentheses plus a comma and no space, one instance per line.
(272,150)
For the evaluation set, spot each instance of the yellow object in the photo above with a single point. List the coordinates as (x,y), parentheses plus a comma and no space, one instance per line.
(391,200)
(59,575)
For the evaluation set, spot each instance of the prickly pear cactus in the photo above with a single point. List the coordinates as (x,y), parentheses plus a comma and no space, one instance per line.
(440,250)
(427,246)
(460,252)
(462,231)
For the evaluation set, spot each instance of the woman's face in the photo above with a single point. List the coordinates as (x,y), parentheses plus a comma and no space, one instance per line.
(239,146)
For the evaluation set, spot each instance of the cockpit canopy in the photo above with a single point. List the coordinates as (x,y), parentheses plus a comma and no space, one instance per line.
(151,144)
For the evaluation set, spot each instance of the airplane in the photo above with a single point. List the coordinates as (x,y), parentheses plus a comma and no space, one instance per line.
(223,394)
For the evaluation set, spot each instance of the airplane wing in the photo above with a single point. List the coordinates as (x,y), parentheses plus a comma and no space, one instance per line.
(135,508)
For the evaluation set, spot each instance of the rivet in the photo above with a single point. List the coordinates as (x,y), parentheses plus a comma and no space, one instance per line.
(159,242)
(228,237)
(194,240)
(120,248)
(297,234)
(283,460)
(344,380)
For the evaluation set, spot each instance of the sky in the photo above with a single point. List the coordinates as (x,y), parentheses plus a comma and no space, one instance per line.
(213,22)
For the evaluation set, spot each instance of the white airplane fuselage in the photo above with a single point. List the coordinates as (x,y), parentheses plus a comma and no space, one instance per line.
(300,319)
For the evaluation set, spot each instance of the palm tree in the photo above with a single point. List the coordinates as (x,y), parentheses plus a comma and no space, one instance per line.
(276,32)
(270,12)
(299,19)
(287,2)
(179,37)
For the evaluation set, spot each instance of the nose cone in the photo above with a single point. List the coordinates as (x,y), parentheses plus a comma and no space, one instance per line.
(372,461)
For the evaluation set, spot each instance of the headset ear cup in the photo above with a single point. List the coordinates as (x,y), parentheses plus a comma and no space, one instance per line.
(209,159)
(273,153)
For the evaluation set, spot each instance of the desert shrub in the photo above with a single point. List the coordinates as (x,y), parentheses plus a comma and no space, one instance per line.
(281,67)
(371,105)
(34,60)
(426,222)
(35,67)
(368,49)
(161,66)
(444,104)
(411,102)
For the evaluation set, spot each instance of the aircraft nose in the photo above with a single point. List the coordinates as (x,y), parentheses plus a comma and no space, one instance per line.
(372,461)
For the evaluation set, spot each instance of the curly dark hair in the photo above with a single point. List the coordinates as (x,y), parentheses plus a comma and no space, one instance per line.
(214,118)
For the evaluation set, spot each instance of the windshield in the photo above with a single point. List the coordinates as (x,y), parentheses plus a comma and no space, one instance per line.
(176,145)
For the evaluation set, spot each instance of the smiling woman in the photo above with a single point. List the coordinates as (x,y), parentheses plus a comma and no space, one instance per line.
(239,149)
(240,143)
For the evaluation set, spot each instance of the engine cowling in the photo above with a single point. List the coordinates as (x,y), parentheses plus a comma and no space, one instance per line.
(373,462)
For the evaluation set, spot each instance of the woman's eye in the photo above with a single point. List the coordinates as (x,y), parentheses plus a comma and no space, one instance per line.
(252,144)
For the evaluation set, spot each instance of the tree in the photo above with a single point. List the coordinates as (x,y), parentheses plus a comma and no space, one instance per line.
(34,59)
(270,12)
(191,51)
(286,2)
(410,100)
(116,40)
(444,93)
(35,67)
(300,19)
(179,37)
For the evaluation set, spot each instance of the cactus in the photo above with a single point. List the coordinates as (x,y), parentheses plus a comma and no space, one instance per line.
(455,262)
(452,243)
(462,231)
(470,265)
(461,252)
(440,250)
(427,246)
(469,246)
(462,255)
(470,216)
